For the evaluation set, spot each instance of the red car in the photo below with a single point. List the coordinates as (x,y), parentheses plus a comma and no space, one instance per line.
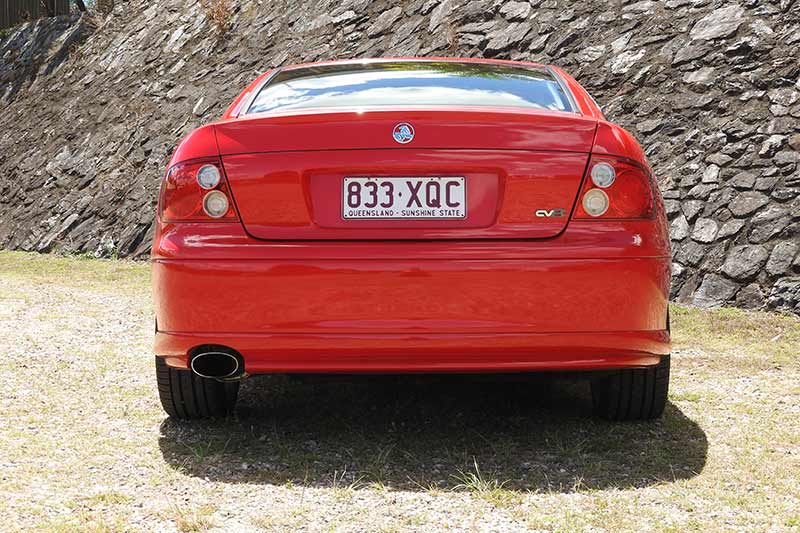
(411,216)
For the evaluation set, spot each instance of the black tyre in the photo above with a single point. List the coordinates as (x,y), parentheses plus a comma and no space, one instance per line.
(632,394)
(186,395)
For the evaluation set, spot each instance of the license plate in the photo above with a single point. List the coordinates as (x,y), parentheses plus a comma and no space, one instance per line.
(414,198)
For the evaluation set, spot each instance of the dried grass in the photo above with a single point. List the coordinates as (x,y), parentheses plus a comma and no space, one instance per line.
(219,12)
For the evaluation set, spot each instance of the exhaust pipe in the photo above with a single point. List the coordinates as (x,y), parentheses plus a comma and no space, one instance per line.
(217,362)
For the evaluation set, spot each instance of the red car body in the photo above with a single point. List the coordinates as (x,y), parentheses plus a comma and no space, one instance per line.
(525,281)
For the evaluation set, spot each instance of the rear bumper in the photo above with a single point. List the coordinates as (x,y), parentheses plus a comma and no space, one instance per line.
(437,307)
(464,352)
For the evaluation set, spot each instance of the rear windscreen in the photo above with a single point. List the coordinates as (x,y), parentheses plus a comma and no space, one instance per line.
(411,83)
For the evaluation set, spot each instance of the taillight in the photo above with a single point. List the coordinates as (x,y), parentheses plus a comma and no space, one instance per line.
(196,191)
(615,188)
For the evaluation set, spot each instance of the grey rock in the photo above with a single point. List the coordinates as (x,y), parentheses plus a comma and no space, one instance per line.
(781,257)
(516,10)
(714,257)
(538,44)
(750,297)
(779,110)
(701,78)
(747,202)
(689,53)
(772,144)
(772,212)
(440,14)
(641,7)
(786,158)
(672,208)
(766,184)
(785,96)
(692,208)
(512,35)
(719,159)
(743,180)
(744,262)
(794,142)
(711,174)
(794,208)
(778,125)
(785,295)
(782,194)
(769,223)
(625,60)
(384,21)
(201,107)
(319,22)
(690,253)
(670,193)
(714,291)
(738,129)
(722,22)
(692,136)
(344,17)
(679,228)
(649,126)
(705,230)
(590,53)
(701,191)
(731,227)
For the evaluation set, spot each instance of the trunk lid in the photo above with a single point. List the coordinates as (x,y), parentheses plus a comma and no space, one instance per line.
(515,174)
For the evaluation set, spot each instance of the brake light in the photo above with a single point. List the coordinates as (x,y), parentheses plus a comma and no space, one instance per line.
(196,191)
(615,188)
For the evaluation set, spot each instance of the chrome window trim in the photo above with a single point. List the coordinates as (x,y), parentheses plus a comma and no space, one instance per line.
(245,108)
(570,97)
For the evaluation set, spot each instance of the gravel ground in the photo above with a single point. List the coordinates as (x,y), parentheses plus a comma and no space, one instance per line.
(84,445)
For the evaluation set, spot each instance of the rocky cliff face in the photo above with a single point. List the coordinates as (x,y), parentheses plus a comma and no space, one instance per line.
(92,109)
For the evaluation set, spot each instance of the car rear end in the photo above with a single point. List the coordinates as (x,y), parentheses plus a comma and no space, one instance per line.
(411,216)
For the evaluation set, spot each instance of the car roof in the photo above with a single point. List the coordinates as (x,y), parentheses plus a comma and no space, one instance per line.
(378,60)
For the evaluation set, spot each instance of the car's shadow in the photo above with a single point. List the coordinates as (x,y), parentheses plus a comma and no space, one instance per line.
(418,433)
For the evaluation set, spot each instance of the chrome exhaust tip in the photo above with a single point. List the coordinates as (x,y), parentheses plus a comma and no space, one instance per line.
(217,362)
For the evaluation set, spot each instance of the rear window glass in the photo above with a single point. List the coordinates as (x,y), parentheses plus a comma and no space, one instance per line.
(411,83)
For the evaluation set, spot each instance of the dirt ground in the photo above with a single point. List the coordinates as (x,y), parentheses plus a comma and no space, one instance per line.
(85,446)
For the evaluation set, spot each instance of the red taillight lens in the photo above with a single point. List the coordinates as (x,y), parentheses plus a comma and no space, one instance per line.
(629,194)
(184,195)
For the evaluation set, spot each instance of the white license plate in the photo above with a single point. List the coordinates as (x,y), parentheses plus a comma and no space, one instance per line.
(416,198)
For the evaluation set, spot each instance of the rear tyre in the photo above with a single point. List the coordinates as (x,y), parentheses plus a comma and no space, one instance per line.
(632,393)
(185,395)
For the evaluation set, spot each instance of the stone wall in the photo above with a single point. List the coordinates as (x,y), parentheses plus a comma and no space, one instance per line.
(91,111)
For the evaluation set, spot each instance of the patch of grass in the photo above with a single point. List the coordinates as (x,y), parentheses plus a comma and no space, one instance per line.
(686,396)
(344,485)
(292,520)
(190,520)
(431,487)
(490,490)
(219,12)
(108,498)
(752,334)
(204,450)
(85,522)
(105,275)
(377,470)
